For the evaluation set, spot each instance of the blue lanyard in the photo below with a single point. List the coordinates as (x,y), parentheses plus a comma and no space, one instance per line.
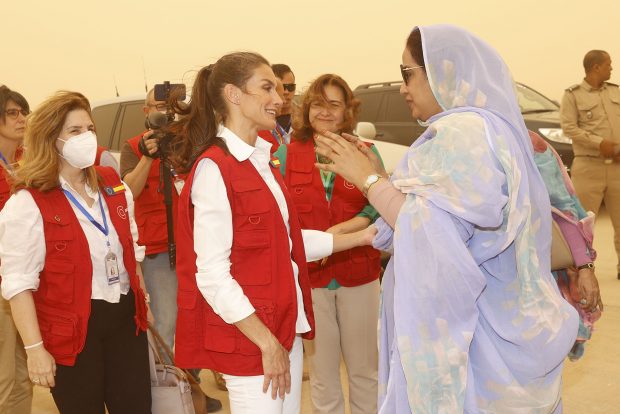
(6,162)
(104,229)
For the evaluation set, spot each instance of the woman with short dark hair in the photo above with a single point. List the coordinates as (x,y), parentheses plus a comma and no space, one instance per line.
(15,385)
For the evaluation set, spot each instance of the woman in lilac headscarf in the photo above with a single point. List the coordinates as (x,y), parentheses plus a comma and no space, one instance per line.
(471,319)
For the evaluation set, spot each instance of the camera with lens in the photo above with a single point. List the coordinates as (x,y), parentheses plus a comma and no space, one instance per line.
(156,121)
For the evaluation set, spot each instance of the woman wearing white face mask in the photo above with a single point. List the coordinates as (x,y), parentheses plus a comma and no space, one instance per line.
(68,263)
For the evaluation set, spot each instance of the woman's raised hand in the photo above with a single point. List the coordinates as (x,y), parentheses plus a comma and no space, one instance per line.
(351,159)
(370,154)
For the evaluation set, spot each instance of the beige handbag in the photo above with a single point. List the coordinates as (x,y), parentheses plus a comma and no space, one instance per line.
(171,392)
(561,256)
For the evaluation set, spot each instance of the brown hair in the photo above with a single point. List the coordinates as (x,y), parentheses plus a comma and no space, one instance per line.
(40,163)
(196,130)
(316,92)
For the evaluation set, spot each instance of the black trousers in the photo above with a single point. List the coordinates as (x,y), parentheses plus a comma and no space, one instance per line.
(113,367)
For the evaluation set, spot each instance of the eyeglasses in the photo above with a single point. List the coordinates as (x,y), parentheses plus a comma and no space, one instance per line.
(14,113)
(405,72)
(289,87)
(159,107)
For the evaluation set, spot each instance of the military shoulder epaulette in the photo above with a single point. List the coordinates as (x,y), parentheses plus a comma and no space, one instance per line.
(612,84)
(572,88)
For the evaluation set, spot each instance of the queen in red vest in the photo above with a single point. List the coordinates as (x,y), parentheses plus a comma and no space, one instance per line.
(340,283)
(68,261)
(244,292)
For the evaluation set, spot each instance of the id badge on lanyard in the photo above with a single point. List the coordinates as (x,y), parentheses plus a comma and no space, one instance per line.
(111,268)
(111,261)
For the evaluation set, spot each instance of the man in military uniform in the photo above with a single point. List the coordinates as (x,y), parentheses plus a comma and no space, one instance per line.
(590,115)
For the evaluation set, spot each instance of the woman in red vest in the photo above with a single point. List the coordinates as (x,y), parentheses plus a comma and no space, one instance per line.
(244,293)
(327,202)
(69,267)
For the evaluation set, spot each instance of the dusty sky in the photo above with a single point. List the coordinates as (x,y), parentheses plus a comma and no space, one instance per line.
(87,45)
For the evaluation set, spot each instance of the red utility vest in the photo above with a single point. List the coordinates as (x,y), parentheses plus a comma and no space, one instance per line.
(150,209)
(63,299)
(352,267)
(260,263)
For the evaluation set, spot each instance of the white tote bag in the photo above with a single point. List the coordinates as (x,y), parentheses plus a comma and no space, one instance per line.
(171,392)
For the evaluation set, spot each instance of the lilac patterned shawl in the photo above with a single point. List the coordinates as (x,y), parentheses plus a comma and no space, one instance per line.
(470,320)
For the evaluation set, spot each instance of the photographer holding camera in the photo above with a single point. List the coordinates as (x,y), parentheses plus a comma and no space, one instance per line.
(146,176)
(142,175)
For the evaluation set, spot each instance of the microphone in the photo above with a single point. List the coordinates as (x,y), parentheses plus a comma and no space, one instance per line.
(156,120)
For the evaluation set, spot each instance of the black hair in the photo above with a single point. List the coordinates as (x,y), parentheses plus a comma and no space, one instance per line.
(280,69)
(7,95)
(592,58)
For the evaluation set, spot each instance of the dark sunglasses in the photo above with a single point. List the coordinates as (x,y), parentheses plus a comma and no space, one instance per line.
(14,113)
(289,87)
(405,72)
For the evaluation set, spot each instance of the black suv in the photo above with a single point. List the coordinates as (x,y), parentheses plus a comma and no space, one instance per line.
(387,110)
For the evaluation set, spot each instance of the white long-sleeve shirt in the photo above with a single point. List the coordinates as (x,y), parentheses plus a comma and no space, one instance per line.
(22,244)
(213,232)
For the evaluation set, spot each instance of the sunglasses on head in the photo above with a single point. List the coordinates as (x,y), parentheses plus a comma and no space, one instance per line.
(289,87)
(405,72)
(14,113)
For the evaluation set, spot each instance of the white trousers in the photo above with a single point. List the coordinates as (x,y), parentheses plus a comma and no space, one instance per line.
(246,393)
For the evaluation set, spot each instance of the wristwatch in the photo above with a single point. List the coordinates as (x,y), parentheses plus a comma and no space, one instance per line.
(370,180)
(586,266)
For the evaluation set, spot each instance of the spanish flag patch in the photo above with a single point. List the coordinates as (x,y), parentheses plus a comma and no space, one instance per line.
(115,190)
(275,163)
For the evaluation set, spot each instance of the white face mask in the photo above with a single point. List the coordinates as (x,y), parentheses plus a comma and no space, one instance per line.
(81,150)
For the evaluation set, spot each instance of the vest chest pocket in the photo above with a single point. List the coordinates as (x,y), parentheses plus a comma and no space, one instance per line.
(58,237)
(251,258)
(250,197)
(251,206)
(300,173)
(57,280)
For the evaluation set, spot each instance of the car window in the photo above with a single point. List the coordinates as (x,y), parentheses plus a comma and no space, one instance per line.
(532,101)
(104,118)
(397,108)
(132,123)
(370,103)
